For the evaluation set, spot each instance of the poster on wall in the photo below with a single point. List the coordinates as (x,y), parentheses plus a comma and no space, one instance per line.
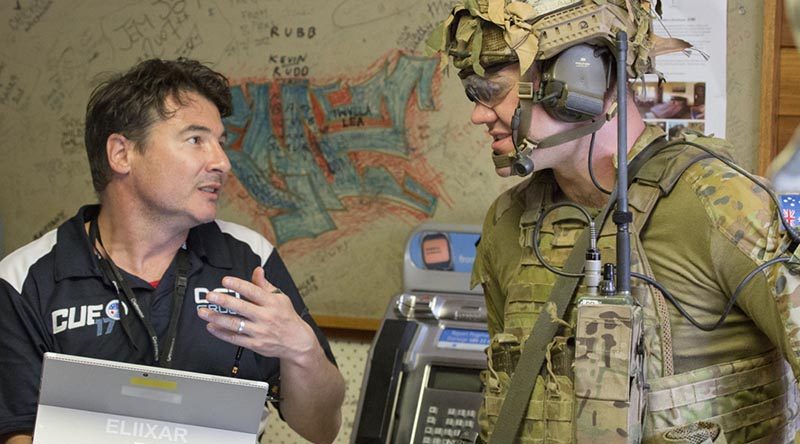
(693,96)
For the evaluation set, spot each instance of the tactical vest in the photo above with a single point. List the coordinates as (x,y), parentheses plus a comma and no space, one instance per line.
(742,397)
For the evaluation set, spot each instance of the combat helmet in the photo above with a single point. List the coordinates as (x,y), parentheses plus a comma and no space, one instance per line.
(481,35)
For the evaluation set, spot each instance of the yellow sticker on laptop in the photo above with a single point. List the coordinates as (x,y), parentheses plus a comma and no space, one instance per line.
(154,383)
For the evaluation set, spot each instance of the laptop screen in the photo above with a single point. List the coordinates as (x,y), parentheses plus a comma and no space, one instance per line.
(92,400)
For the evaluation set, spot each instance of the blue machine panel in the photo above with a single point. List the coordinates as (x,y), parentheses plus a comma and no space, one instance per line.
(463,339)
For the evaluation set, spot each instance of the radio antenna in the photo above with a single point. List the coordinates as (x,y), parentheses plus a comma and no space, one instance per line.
(622,217)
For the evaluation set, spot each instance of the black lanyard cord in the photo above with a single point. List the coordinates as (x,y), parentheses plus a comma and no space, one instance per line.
(125,321)
(161,357)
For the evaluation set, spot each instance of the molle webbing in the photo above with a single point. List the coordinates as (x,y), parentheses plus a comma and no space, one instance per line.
(660,167)
(748,398)
(728,382)
(518,397)
(522,385)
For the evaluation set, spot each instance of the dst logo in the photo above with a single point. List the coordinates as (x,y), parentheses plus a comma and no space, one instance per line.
(201,301)
(76,317)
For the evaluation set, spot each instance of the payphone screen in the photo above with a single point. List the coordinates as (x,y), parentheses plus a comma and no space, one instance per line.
(443,251)
(455,378)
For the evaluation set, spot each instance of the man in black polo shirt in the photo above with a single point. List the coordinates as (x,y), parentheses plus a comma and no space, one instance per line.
(152,261)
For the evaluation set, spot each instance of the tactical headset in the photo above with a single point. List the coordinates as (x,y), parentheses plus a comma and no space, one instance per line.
(572,88)
(574,83)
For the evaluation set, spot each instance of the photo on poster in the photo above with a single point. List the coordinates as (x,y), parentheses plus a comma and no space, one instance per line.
(671,100)
(674,106)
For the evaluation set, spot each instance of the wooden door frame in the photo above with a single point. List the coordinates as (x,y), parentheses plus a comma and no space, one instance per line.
(770,84)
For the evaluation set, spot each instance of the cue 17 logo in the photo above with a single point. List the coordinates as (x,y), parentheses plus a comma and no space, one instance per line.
(201,301)
(102,316)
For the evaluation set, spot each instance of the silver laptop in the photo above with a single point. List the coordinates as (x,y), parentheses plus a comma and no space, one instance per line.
(105,402)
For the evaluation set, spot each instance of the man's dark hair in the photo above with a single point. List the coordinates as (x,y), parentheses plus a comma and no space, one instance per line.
(129,103)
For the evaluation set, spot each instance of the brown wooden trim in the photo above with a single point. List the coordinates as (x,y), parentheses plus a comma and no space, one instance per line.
(786,128)
(348,335)
(347,323)
(770,78)
(789,89)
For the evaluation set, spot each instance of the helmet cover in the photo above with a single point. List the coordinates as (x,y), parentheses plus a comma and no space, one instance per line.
(485,34)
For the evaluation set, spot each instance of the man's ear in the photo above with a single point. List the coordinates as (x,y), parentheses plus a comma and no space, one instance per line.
(119,149)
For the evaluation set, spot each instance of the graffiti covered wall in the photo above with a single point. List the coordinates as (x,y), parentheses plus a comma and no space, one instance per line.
(343,137)
(303,150)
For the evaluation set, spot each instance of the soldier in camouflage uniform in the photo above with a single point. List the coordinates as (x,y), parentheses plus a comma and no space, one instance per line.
(699,227)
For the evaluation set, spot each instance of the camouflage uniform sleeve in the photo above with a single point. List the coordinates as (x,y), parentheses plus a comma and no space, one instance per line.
(483,274)
(786,286)
(747,233)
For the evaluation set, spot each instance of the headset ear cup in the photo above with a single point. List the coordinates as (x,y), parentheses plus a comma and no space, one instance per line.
(578,80)
(553,94)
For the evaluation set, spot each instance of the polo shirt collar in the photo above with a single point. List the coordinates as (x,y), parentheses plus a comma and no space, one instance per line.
(207,242)
(74,255)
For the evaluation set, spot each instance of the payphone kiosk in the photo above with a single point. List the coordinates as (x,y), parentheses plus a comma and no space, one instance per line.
(422,382)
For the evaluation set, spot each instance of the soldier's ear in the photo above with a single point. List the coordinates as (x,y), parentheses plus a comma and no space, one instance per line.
(118,150)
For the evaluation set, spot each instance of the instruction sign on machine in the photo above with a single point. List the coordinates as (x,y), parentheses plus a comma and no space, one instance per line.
(422,382)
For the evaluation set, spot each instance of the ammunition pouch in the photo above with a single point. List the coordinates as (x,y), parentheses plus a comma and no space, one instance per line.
(550,409)
(752,400)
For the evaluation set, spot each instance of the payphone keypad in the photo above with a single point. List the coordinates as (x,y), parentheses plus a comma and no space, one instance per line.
(445,425)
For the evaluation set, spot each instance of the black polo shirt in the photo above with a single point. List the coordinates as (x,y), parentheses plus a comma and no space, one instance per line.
(54,297)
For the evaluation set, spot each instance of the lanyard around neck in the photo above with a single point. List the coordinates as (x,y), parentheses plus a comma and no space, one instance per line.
(127,297)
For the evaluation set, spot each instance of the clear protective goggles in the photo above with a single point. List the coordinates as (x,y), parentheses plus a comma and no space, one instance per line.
(488,92)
